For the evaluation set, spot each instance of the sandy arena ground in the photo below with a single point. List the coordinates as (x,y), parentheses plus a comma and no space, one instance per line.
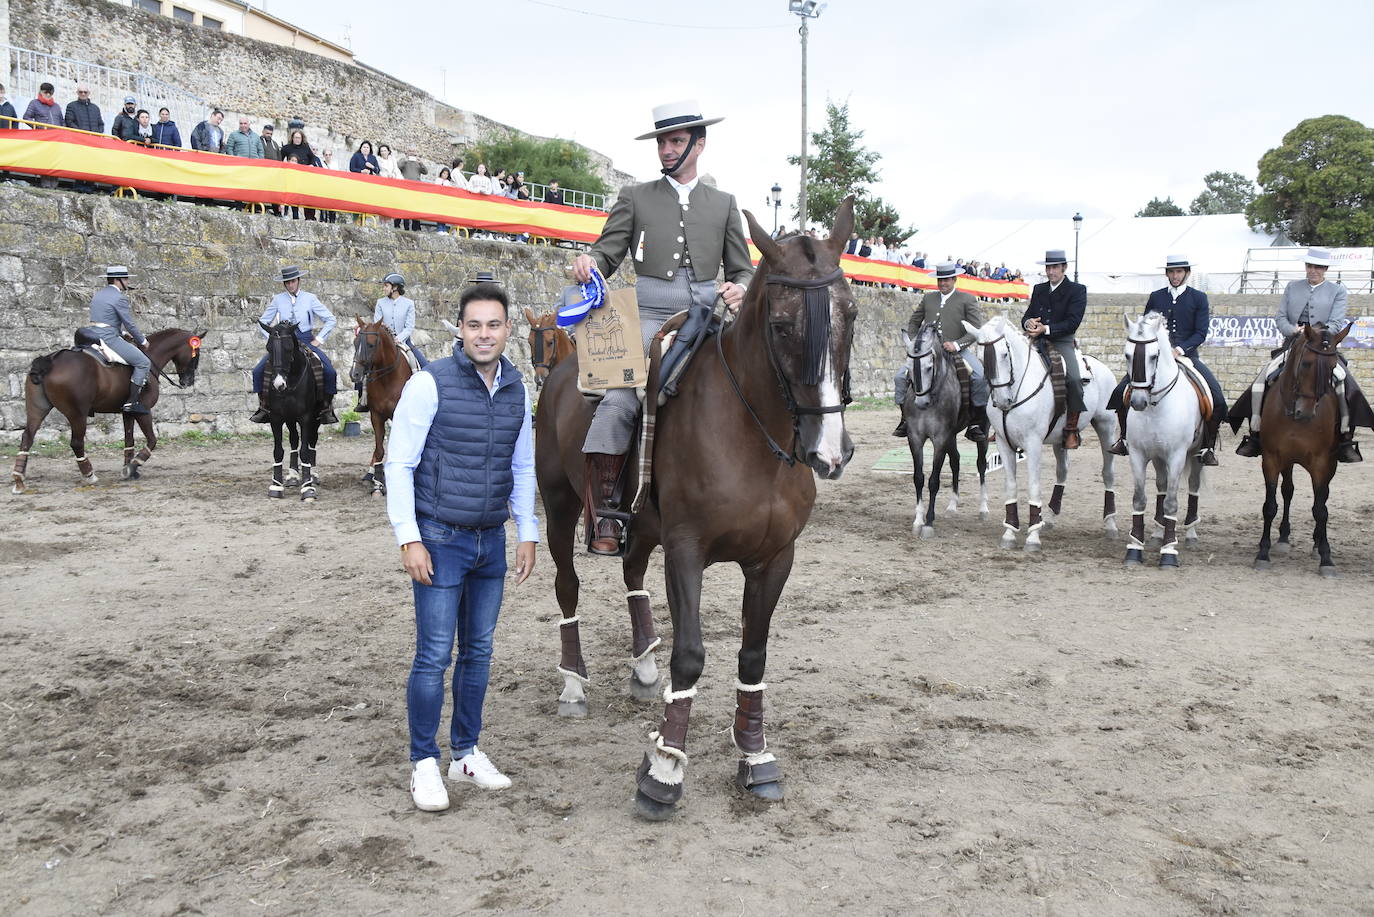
(202,711)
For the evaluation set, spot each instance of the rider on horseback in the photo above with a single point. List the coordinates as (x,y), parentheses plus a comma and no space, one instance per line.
(680,230)
(397,312)
(948,309)
(1313,301)
(110,315)
(1055,312)
(1187,313)
(300,309)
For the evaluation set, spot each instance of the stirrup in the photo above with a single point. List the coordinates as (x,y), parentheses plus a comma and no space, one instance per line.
(1207,457)
(1119,447)
(1250,446)
(1348,451)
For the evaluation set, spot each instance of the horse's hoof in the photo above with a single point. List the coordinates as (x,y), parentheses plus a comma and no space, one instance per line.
(1282,548)
(1111,532)
(1191,539)
(90,479)
(307,499)
(763,781)
(1048,520)
(652,809)
(274,494)
(983,515)
(17,489)
(1032,547)
(377,493)
(573,709)
(127,472)
(1168,561)
(646,693)
(1329,572)
(1135,557)
(664,799)
(927,531)
(1006,544)
(1261,564)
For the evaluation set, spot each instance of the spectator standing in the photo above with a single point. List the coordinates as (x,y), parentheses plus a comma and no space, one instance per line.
(327,159)
(411,169)
(165,132)
(243,142)
(480,183)
(144,126)
(83,114)
(272,150)
(125,126)
(208,136)
(554,195)
(866,248)
(295,146)
(44,109)
(8,116)
(445,180)
(919,261)
(387,167)
(362,161)
(852,246)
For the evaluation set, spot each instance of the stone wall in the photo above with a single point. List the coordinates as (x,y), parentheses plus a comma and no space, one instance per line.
(209,268)
(341,103)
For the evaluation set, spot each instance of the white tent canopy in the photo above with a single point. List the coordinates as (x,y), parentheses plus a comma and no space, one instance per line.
(1116,254)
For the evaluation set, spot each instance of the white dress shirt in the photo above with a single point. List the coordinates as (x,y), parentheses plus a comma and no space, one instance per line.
(683,191)
(410,429)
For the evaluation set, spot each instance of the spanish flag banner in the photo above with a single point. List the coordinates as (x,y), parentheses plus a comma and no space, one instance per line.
(94,157)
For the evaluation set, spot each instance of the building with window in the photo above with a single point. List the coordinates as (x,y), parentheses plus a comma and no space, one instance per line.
(246,20)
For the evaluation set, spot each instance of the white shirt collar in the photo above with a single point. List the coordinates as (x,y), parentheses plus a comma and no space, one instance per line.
(684,191)
(1055,286)
(1315,285)
(1177,291)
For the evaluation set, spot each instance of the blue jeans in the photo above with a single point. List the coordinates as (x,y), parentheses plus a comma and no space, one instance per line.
(463,603)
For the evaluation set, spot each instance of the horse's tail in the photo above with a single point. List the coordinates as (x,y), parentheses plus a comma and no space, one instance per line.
(41,367)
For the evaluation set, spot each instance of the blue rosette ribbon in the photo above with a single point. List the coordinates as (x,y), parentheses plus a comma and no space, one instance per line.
(593,297)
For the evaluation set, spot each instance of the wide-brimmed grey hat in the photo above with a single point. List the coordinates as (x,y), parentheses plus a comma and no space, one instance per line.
(394,279)
(291,272)
(1318,256)
(1172,261)
(1055,256)
(946,269)
(676,116)
(117,270)
(483,277)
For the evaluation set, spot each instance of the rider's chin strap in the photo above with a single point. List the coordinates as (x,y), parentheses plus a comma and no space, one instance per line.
(697,133)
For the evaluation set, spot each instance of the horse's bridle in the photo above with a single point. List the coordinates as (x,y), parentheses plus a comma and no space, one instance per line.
(816,344)
(1324,378)
(540,349)
(297,351)
(1138,357)
(916,359)
(370,373)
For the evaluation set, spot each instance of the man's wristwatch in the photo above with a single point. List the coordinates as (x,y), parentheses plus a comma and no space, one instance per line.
(406,545)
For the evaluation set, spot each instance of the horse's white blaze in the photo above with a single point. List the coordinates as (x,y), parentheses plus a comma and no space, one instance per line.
(279,382)
(830,445)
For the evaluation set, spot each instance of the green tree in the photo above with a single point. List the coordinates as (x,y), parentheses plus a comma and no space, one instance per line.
(838,165)
(1158,208)
(1318,185)
(542,161)
(1224,192)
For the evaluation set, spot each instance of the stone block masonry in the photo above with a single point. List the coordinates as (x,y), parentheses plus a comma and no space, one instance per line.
(205,268)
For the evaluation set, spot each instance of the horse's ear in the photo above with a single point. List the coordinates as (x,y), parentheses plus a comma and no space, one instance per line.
(906,341)
(771,251)
(1336,341)
(971,329)
(531,317)
(842,227)
(1125,320)
(265,327)
(202,334)
(453,329)
(359,320)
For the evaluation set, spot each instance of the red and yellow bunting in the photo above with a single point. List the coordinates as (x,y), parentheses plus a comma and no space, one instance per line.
(95,157)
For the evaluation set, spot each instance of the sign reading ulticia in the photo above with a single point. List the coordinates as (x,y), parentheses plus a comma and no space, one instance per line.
(1263,331)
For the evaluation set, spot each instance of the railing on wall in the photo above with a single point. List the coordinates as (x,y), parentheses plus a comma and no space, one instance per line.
(1271,269)
(28,69)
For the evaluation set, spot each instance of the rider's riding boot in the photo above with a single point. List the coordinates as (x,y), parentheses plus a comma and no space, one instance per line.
(327,415)
(978,430)
(1071,438)
(1347,450)
(900,431)
(1207,453)
(261,415)
(603,471)
(1250,445)
(361,407)
(133,406)
(1119,447)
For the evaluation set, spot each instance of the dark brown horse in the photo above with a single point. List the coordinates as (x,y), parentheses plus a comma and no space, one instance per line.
(760,413)
(382,368)
(1300,419)
(80,386)
(549,344)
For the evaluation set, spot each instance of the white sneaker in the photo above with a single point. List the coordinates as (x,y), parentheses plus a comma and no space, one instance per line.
(476,767)
(427,787)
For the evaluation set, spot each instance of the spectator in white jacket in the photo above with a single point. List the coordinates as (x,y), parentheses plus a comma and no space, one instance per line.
(387,163)
(480,183)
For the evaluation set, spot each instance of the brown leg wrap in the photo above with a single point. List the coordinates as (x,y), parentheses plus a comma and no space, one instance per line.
(1138,527)
(1013,519)
(673,728)
(645,638)
(85,467)
(1057,499)
(1034,515)
(571,659)
(21,464)
(1170,530)
(749,722)
(144,454)
(1192,510)
(1108,504)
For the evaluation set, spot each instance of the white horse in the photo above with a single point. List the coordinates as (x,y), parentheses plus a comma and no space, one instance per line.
(1021,411)
(1165,429)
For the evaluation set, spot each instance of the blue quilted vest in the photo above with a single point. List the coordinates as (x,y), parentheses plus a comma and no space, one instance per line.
(464,475)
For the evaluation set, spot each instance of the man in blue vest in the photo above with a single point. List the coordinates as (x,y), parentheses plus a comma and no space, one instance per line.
(458,464)
(300,308)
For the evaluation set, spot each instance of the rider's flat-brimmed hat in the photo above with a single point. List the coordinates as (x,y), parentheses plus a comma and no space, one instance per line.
(291,272)
(483,277)
(117,270)
(1055,256)
(676,116)
(1173,261)
(1321,257)
(946,269)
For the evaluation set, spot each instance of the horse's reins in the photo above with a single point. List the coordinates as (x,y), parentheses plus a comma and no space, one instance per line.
(1323,377)
(916,359)
(817,337)
(990,359)
(1138,356)
(370,373)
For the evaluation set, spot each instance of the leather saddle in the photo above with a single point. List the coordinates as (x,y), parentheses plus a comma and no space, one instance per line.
(1200,388)
(88,342)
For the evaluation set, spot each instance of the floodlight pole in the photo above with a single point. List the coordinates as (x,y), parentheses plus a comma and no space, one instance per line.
(806,10)
(1077,227)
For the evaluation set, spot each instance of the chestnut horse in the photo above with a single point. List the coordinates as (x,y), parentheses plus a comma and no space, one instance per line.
(549,344)
(383,370)
(760,414)
(1300,419)
(80,386)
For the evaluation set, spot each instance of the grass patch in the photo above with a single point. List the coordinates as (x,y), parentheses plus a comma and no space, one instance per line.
(872,403)
(60,448)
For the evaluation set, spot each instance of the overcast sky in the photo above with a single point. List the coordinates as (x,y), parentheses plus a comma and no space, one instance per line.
(982,109)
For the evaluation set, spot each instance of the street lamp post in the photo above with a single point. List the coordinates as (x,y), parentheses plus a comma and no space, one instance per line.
(1077,228)
(777,202)
(807,10)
